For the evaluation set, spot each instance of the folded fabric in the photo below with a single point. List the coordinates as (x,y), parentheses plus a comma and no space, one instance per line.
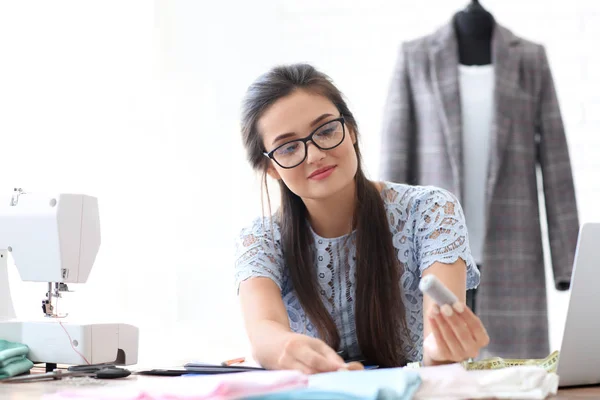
(206,387)
(377,384)
(454,382)
(12,359)
(9,350)
(15,366)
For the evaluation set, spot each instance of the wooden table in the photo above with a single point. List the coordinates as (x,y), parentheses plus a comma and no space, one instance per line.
(592,392)
(35,390)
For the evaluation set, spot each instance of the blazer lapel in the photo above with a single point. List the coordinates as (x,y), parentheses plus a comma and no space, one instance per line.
(444,75)
(506,58)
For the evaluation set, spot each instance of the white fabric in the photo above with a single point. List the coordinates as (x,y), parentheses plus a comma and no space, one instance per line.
(454,382)
(477,110)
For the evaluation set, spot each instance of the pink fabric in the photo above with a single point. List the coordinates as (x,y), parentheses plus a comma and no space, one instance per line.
(208,387)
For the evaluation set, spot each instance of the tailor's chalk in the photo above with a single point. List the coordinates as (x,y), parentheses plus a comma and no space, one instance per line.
(435,289)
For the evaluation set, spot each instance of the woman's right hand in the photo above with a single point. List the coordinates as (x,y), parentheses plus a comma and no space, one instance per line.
(309,355)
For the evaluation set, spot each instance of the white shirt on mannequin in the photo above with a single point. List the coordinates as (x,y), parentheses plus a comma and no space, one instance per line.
(477,109)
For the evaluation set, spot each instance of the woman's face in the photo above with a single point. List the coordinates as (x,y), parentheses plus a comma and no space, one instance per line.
(323,172)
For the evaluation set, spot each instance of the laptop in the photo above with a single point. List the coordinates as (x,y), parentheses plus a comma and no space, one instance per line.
(579,358)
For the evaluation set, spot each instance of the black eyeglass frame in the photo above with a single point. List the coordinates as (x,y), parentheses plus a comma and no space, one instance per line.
(307,139)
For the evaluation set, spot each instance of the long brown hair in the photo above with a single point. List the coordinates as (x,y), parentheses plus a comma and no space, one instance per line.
(379,310)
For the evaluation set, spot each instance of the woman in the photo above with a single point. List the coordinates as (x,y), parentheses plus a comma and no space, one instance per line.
(337,268)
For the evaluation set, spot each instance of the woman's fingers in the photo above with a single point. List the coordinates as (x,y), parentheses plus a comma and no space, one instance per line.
(459,333)
(476,327)
(309,355)
(445,321)
(317,361)
(443,347)
(454,317)
(334,360)
(298,366)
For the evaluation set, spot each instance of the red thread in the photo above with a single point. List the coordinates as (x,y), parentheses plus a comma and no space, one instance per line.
(70,340)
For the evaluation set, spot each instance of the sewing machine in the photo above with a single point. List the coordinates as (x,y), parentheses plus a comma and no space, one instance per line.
(55,239)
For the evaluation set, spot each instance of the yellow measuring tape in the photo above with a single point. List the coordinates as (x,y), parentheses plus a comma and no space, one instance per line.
(549,363)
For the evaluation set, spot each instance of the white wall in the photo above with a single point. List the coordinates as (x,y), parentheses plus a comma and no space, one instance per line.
(137,103)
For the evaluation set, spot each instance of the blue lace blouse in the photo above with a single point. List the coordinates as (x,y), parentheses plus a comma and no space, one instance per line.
(427,225)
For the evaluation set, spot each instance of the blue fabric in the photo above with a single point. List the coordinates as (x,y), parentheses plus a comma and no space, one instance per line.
(12,359)
(9,350)
(427,226)
(15,366)
(379,384)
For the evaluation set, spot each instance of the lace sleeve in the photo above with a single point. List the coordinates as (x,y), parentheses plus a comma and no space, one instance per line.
(258,253)
(440,232)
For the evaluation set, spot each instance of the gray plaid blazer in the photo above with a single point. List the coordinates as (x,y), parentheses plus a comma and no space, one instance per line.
(422,145)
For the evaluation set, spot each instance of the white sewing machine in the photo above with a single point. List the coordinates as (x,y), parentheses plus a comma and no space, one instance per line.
(55,239)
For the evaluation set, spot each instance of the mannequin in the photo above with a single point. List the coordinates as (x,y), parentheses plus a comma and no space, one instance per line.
(474,27)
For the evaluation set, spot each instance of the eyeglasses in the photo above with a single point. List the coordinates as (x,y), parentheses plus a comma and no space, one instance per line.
(326,137)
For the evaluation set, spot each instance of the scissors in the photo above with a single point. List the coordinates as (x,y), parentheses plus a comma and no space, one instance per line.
(98,372)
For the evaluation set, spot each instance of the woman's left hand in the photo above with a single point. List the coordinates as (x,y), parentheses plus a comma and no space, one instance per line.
(456,335)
